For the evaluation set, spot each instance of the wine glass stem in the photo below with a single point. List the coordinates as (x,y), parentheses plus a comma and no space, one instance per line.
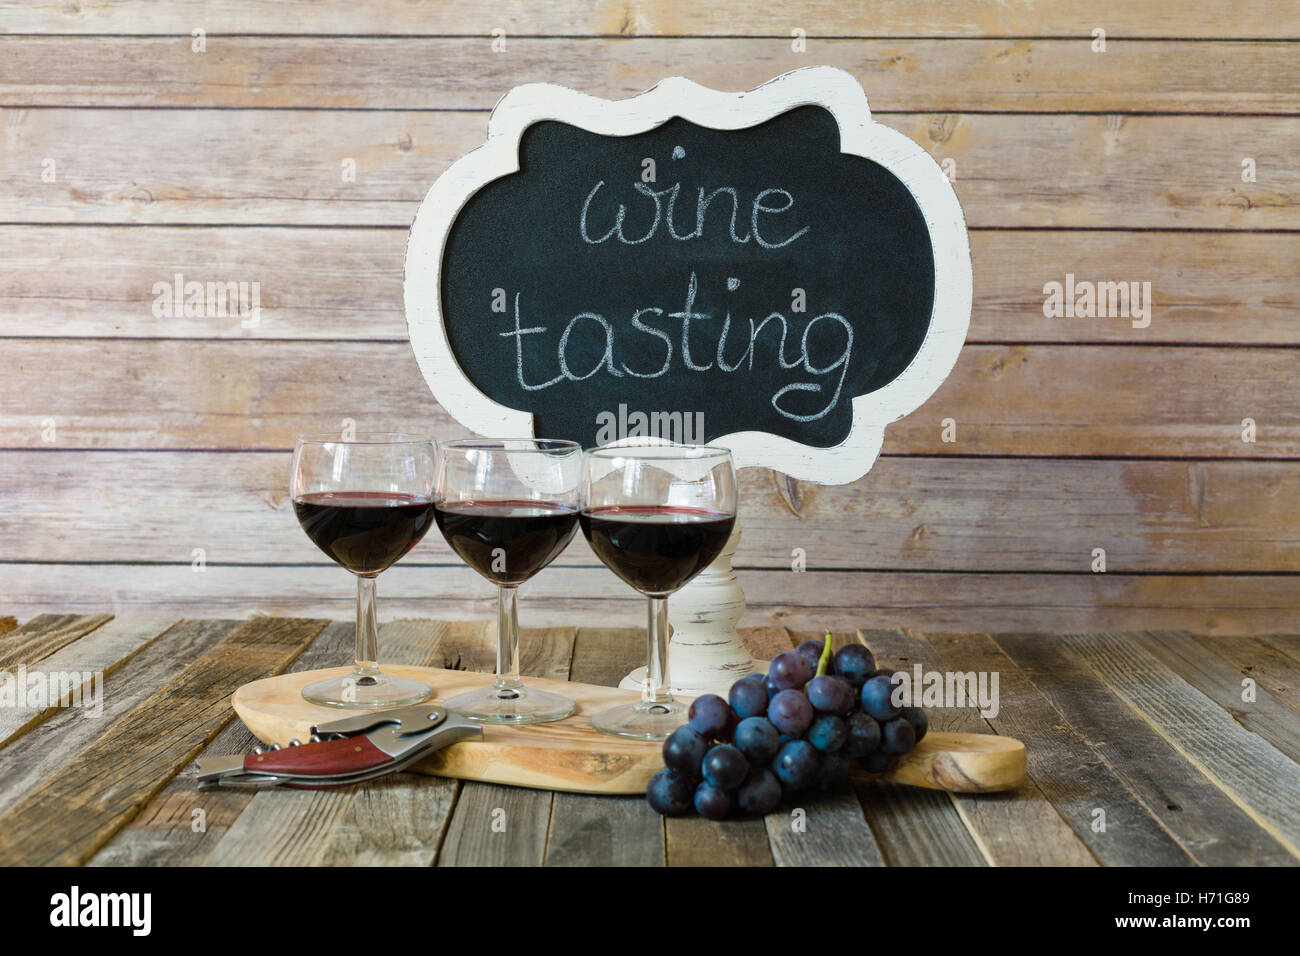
(367,656)
(507,638)
(655,687)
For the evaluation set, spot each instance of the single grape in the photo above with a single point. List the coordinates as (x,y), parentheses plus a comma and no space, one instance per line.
(789,671)
(758,740)
(684,749)
(897,736)
(916,717)
(831,695)
(878,762)
(834,770)
(709,715)
(760,793)
(748,697)
(863,735)
(790,712)
(670,793)
(796,764)
(712,802)
(725,767)
(811,652)
(827,733)
(854,663)
(876,698)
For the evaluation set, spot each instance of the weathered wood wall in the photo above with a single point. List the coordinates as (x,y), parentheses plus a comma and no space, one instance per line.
(145,460)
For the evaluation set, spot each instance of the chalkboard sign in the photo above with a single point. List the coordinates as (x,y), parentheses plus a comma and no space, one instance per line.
(771,271)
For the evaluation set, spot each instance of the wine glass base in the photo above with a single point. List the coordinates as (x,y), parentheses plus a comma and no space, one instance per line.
(511,704)
(366,691)
(644,720)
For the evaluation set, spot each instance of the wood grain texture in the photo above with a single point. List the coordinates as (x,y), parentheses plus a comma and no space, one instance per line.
(442,73)
(1012,170)
(1246,767)
(1017,828)
(586,830)
(181,826)
(44,635)
(1253,657)
(1063,767)
(1265,715)
(908,514)
(1211,604)
(87,662)
(1038,400)
(346,284)
(1156,18)
(1213,829)
(95,793)
(493,825)
(27,761)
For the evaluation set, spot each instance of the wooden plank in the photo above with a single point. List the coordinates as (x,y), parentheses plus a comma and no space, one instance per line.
(695,841)
(493,825)
(1212,604)
(397,821)
(604,831)
(1038,400)
(1213,829)
(1218,680)
(1019,828)
(917,827)
(442,73)
(1155,18)
(1004,515)
(1245,767)
(82,804)
(345,284)
(86,662)
(28,760)
(1272,670)
(1062,766)
(1012,170)
(181,826)
(42,636)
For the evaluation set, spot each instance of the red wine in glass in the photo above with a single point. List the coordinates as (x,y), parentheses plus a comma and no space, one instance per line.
(365,531)
(506,541)
(656,549)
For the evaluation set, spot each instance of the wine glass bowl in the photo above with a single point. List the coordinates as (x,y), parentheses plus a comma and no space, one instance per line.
(508,508)
(656,515)
(365,502)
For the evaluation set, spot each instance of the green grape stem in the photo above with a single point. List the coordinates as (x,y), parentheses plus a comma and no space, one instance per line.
(824,662)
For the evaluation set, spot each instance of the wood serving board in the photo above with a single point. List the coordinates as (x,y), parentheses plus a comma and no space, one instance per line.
(569,755)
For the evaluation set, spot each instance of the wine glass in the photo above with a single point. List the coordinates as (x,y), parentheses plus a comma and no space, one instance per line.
(365,502)
(508,508)
(656,515)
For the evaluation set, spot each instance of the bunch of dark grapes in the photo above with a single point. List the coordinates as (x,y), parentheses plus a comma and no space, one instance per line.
(800,726)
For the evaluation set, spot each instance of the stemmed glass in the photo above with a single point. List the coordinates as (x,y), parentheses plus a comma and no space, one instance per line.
(365,502)
(656,515)
(508,508)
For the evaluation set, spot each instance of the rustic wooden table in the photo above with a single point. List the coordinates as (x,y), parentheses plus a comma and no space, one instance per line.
(1141,751)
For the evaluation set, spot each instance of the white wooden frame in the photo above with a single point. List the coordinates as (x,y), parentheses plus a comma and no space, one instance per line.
(831,88)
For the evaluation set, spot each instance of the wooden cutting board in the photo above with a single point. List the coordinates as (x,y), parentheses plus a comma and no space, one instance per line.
(569,755)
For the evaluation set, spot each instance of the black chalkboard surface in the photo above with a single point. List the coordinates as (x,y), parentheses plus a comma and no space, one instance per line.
(763,279)
(771,268)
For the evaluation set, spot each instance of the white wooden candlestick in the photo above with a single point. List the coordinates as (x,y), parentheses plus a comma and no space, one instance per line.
(705,655)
